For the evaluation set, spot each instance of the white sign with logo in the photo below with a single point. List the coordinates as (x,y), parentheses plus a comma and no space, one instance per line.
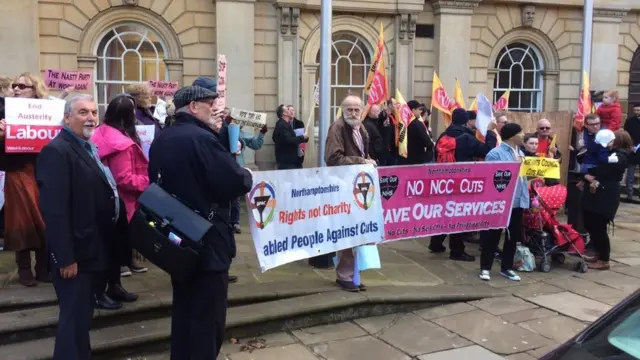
(335,208)
(31,123)
(248,118)
(146,134)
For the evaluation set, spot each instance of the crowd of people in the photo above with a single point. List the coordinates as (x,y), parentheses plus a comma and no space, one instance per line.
(72,203)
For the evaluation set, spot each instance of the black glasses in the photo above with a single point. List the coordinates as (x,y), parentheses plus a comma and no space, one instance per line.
(22,86)
(593,124)
(544,128)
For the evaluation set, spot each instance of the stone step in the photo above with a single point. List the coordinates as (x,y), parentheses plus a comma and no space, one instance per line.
(144,327)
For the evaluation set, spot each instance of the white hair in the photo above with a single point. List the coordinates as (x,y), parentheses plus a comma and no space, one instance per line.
(68,106)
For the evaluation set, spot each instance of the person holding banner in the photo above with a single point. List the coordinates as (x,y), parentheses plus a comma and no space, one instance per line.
(24,227)
(142,92)
(509,150)
(298,127)
(348,144)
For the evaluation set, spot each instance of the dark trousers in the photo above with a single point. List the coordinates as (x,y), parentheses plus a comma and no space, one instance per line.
(75,298)
(235,211)
(596,225)
(198,316)
(491,238)
(289,166)
(118,250)
(456,242)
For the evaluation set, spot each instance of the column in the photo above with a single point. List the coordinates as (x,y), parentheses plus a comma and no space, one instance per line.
(404,55)
(21,41)
(453,44)
(289,59)
(235,39)
(606,30)
(175,68)
(550,80)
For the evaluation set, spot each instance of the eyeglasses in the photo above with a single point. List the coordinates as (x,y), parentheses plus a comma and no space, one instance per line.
(22,86)
(544,128)
(595,124)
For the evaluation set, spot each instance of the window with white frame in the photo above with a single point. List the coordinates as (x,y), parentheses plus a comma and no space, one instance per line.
(519,69)
(127,54)
(350,61)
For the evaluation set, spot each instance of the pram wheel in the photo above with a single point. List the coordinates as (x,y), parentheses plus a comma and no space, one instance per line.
(544,265)
(582,267)
(558,258)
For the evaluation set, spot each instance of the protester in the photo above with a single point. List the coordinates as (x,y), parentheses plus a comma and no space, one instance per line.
(120,149)
(297,124)
(545,140)
(286,141)
(24,228)
(188,161)
(348,144)
(458,143)
(530,147)
(501,120)
(80,204)
(632,126)
(601,191)
(389,132)
(419,142)
(142,93)
(595,154)
(377,147)
(509,150)
(610,111)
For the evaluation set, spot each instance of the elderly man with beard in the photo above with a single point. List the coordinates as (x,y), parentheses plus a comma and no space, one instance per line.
(80,206)
(348,144)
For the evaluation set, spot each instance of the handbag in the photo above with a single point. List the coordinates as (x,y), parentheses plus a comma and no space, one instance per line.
(168,233)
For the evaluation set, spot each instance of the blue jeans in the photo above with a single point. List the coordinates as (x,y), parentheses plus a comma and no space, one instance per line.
(630,178)
(235,211)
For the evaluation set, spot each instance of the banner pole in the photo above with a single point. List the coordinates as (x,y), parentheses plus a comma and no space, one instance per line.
(325,77)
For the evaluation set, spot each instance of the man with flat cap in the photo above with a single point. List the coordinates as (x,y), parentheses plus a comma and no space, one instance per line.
(188,161)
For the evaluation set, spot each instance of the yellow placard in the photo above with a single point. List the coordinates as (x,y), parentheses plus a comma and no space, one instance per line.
(540,167)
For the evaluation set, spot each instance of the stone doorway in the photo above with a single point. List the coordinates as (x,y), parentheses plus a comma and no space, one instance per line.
(634,80)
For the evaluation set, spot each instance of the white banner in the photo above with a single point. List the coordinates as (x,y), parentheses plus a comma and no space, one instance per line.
(146,134)
(485,114)
(248,118)
(298,214)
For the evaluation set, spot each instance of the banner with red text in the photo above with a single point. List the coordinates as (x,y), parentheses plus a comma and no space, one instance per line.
(146,133)
(334,208)
(221,100)
(427,200)
(31,123)
(163,88)
(63,79)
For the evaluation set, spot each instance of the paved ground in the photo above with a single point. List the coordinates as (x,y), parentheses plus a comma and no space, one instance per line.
(545,309)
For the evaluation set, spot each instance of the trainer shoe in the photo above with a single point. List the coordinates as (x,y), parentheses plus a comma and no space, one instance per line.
(511,275)
(485,275)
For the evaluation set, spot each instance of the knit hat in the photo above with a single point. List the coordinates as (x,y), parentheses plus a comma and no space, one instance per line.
(460,117)
(510,130)
(412,104)
(188,94)
(604,137)
(207,83)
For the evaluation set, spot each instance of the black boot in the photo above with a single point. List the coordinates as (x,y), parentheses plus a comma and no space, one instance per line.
(118,293)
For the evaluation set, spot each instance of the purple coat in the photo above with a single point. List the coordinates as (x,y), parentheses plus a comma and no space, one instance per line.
(145,116)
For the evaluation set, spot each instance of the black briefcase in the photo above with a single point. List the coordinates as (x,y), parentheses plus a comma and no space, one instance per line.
(161,214)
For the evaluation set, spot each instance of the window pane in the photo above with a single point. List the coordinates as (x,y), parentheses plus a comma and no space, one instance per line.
(516,77)
(503,79)
(514,98)
(131,66)
(526,100)
(529,82)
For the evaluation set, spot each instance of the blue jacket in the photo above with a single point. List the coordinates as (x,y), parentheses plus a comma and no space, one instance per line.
(251,142)
(504,152)
(596,153)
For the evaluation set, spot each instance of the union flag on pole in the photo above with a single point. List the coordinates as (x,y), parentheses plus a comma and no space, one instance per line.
(503,103)
(376,86)
(458,97)
(404,115)
(584,103)
(441,100)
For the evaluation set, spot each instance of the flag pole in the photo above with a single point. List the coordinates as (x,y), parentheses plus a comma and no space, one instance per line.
(587,39)
(325,77)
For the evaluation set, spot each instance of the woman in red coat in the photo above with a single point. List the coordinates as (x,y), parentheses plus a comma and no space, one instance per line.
(610,112)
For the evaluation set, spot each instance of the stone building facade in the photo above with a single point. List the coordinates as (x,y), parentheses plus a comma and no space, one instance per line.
(272,46)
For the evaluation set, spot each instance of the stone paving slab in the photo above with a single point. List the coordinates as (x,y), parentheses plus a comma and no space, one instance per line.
(366,347)
(474,352)
(527,315)
(572,305)
(557,328)
(294,351)
(326,333)
(502,305)
(589,289)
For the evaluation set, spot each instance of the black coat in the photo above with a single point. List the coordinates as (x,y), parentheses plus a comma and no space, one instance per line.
(419,144)
(77,204)
(286,142)
(298,124)
(606,199)
(632,126)
(468,147)
(378,150)
(196,168)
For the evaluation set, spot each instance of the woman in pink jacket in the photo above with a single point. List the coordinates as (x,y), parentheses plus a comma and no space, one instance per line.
(119,148)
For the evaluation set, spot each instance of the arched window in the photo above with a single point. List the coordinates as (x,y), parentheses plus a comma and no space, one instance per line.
(519,68)
(127,54)
(350,61)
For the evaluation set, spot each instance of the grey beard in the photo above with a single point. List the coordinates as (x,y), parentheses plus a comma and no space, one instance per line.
(352,122)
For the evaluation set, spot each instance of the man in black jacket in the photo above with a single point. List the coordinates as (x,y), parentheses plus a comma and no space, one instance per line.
(632,126)
(419,143)
(467,148)
(80,205)
(286,141)
(297,124)
(189,161)
(378,150)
